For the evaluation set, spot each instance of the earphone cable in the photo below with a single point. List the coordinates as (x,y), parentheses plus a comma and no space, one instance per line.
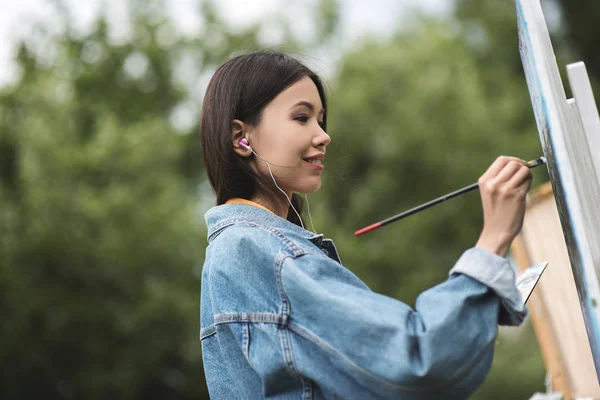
(284,193)
(309,216)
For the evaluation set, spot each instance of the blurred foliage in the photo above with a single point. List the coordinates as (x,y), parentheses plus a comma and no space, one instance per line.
(582,34)
(102,193)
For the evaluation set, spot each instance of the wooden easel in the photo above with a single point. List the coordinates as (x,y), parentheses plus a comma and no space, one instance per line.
(554,306)
(569,132)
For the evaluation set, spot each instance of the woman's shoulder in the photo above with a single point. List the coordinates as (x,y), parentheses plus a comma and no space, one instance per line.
(249,238)
(240,274)
(241,242)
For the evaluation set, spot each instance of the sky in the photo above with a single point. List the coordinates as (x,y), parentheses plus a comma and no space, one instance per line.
(359,17)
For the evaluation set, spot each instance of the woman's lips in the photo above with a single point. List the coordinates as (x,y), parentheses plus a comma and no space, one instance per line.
(315,166)
(316,161)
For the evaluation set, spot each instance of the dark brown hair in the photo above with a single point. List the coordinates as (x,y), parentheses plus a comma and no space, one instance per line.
(241,89)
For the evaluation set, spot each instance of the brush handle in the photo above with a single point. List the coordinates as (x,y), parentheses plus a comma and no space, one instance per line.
(466,189)
(431,203)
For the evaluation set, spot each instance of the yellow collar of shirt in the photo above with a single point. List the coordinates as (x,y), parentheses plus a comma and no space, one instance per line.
(238,200)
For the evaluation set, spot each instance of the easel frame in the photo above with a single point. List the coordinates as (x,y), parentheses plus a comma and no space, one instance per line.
(554,306)
(569,132)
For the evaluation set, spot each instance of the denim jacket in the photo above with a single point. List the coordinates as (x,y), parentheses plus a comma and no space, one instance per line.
(281,318)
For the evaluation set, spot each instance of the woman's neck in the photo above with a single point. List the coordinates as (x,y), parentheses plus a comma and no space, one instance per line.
(281,209)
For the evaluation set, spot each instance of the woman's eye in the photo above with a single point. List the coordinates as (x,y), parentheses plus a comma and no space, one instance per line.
(301,118)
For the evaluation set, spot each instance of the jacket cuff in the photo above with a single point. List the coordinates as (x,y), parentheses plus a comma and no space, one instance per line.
(496,273)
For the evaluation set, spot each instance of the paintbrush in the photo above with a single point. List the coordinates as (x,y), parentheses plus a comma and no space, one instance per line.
(530,164)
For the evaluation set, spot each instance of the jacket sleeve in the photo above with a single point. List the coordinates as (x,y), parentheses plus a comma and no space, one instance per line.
(366,345)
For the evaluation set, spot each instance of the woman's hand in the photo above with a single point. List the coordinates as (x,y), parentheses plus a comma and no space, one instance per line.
(503,189)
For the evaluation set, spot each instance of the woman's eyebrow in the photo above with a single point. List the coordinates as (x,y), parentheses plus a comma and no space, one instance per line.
(307,104)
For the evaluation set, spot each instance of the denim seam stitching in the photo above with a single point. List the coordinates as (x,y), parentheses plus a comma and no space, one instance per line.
(286,349)
(308,335)
(246,341)
(206,332)
(295,250)
(218,229)
(260,318)
(225,224)
(285,301)
(284,335)
(307,388)
(265,318)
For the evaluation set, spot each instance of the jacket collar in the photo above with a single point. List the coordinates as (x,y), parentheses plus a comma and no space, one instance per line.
(219,217)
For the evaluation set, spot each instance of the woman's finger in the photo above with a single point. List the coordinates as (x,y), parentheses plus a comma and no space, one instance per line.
(520,178)
(498,165)
(509,171)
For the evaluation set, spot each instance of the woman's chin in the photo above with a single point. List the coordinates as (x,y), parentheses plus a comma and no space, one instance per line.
(309,188)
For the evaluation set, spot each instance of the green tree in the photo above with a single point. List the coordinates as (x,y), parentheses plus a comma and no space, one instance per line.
(100,250)
(101,231)
(581,32)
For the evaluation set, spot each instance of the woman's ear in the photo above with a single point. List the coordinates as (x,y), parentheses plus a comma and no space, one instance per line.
(238,132)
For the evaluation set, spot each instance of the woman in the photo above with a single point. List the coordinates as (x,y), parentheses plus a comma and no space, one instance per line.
(280,316)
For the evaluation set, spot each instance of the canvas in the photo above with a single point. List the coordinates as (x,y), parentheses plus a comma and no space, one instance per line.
(569,160)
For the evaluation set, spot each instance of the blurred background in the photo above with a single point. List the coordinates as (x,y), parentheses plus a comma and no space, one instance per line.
(103,189)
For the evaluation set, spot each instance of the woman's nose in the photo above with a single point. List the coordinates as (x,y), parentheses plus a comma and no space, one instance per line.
(322,139)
